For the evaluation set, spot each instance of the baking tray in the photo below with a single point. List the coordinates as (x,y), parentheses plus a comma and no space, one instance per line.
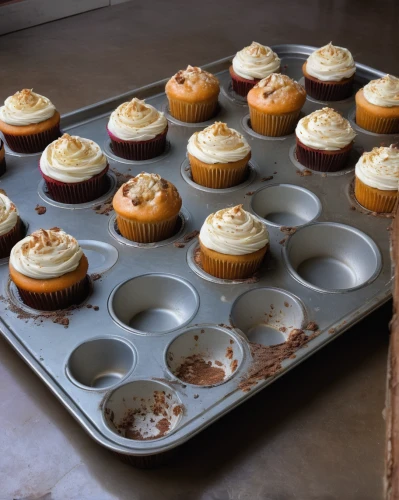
(122,360)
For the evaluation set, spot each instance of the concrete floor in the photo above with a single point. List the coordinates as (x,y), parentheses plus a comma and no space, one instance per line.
(317,433)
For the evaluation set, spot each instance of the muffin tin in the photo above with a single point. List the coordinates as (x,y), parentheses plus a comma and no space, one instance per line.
(116,367)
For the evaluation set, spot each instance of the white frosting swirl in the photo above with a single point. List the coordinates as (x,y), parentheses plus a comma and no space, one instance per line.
(379,168)
(233,231)
(331,63)
(383,92)
(72,159)
(8,215)
(255,62)
(25,108)
(325,129)
(218,144)
(46,254)
(136,121)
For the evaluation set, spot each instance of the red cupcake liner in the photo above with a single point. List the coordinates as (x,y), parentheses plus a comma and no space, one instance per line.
(8,240)
(322,161)
(51,301)
(2,167)
(34,143)
(324,91)
(77,192)
(242,86)
(139,150)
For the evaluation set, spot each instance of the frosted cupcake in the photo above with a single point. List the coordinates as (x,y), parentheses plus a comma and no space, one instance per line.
(10,226)
(329,73)
(251,64)
(137,131)
(324,140)
(74,169)
(377,106)
(218,156)
(2,158)
(49,270)
(377,179)
(29,122)
(233,243)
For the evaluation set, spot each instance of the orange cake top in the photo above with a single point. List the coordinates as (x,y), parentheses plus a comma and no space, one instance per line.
(193,85)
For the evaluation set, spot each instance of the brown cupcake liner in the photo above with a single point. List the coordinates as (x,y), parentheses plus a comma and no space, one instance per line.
(146,232)
(34,143)
(273,125)
(2,167)
(217,178)
(61,299)
(192,112)
(139,150)
(322,161)
(8,240)
(328,91)
(376,124)
(77,192)
(375,200)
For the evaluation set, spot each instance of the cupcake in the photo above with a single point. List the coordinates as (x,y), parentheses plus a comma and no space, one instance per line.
(49,270)
(74,169)
(10,226)
(193,95)
(2,158)
(147,208)
(329,73)
(324,140)
(218,156)
(377,179)
(29,122)
(137,131)
(275,104)
(233,244)
(377,106)
(252,64)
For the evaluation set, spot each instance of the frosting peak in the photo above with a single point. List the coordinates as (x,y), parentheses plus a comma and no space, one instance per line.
(383,91)
(8,214)
(331,63)
(255,62)
(25,108)
(379,168)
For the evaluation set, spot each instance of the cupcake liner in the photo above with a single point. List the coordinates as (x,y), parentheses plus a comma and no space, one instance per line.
(218,177)
(328,91)
(51,301)
(376,124)
(8,240)
(241,86)
(146,232)
(192,112)
(2,167)
(273,125)
(77,192)
(373,199)
(322,161)
(33,143)
(139,150)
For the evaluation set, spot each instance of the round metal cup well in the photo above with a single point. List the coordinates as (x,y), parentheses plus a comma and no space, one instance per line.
(267,315)
(285,205)
(153,303)
(331,257)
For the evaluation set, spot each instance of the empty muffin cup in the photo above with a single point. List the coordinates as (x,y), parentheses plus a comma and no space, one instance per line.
(331,257)
(204,355)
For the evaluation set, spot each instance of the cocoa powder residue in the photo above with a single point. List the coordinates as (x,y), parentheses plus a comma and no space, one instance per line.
(195,370)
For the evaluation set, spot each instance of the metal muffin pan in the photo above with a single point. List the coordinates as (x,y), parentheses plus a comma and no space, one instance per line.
(124,347)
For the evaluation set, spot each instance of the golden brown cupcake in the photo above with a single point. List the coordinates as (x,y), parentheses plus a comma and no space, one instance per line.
(10,225)
(147,208)
(49,270)
(218,156)
(233,243)
(377,106)
(377,179)
(193,95)
(275,104)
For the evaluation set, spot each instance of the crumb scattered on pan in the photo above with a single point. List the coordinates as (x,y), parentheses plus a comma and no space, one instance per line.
(312,326)
(196,370)
(288,230)
(265,179)
(40,210)
(304,173)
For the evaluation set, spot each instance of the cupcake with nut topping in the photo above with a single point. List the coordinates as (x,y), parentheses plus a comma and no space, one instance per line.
(29,122)
(377,179)
(49,270)
(218,156)
(329,73)
(193,95)
(275,104)
(74,169)
(137,131)
(377,106)
(233,244)
(252,64)
(10,226)
(324,140)
(2,158)
(147,208)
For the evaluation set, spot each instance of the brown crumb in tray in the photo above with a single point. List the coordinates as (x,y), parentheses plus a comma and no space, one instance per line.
(312,326)
(177,244)
(190,236)
(265,179)
(195,370)
(177,410)
(287,230)
(234,365)
(229,353)
(303,173)
(95,276)
(40,210)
